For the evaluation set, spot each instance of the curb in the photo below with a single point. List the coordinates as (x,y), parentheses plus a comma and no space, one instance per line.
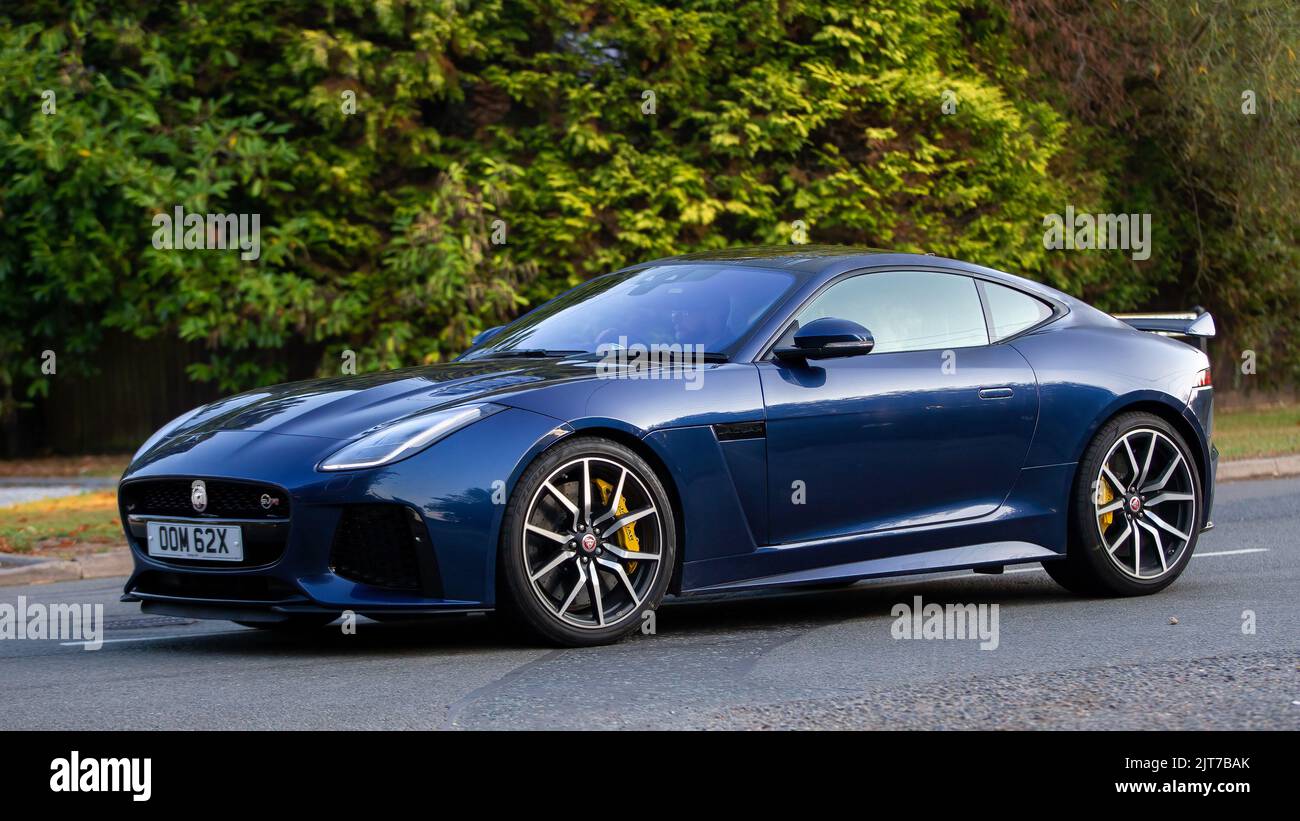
(1268,468)
(24,570)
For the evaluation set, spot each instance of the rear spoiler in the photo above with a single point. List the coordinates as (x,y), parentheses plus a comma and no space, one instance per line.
(1195,323)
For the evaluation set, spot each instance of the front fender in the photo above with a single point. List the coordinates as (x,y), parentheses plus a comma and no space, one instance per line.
(461,486)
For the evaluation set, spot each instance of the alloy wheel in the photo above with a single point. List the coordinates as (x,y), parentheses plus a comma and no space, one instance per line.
(592,542)
(1145,504)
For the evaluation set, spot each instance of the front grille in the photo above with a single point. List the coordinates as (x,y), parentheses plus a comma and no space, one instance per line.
(233,588)
(226,499)
(380,545)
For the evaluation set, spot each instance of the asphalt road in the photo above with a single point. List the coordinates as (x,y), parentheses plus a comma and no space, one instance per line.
(802,660)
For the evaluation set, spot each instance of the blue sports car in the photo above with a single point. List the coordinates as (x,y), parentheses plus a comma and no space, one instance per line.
(754,418)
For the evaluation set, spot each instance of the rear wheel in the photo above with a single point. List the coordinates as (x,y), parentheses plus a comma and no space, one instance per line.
(588,544)
(1136,512)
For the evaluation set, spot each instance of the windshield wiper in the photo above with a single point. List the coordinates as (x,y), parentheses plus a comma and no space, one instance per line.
(521,353)
(547,353)
(678,357)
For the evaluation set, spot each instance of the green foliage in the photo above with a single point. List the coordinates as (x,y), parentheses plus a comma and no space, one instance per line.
(1198,107)
(599,134)
(1240,171)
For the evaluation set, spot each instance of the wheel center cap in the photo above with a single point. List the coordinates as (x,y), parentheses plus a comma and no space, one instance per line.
(589,542)
(1135,503)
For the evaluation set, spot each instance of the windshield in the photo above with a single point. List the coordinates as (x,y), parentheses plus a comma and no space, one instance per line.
(711,306)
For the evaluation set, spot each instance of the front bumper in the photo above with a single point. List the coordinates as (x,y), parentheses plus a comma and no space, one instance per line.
(453,494)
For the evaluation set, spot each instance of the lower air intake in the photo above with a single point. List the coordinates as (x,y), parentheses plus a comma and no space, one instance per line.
(381,545)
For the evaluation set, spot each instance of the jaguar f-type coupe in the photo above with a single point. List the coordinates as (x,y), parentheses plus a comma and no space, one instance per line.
(755,418)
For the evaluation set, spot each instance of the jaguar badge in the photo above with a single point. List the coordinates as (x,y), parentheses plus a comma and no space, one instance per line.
(199,496)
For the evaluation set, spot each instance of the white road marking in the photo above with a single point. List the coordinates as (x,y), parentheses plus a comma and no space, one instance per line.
(157,638)
(1194,556)
(1232,552)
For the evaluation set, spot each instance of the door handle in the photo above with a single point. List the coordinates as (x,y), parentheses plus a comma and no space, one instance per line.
(996,393)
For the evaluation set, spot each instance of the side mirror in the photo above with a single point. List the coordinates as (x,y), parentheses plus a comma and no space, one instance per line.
(484,336)
(828,338)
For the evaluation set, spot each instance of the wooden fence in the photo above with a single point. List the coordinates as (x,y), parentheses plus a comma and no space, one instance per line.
(138,386)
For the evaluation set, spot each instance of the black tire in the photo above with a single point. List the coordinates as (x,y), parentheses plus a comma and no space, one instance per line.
(639,588)
(1089,567)
(1067,574)
(293,624)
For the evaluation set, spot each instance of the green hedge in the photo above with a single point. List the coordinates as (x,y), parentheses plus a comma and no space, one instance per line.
(597,133)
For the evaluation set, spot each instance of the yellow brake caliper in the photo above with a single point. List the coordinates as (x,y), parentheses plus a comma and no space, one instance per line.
(627,533)
(1105,497)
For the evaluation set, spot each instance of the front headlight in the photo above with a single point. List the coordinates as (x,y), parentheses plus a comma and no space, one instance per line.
(406,437)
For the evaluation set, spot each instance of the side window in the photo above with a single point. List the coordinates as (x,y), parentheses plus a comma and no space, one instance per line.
(1012,311)
(907,310)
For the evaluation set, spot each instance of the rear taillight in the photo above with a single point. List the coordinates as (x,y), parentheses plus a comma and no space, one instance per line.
(1204,379)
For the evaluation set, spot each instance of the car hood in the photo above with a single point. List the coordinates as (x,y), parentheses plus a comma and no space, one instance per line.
(344,407)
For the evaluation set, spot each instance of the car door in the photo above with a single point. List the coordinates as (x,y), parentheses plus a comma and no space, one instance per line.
(932,426)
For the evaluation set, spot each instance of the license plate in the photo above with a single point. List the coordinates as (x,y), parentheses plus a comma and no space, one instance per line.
(174,540)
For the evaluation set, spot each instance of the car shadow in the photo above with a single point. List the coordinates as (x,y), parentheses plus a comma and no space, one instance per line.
(813,606)
(680,617)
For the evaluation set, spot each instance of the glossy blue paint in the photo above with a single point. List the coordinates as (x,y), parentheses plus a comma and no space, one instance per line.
(867,465)
(450,484)
(894,439)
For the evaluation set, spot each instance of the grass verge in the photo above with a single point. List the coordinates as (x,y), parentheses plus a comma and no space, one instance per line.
(1257,432)
(53,525)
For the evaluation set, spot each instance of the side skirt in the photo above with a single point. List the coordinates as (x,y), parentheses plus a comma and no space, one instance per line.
(954,558)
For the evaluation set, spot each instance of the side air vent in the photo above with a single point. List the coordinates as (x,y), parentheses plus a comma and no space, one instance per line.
(384,546)
(731,431)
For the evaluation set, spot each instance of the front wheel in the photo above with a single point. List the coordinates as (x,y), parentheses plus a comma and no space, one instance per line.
(1136,512)
(588,544)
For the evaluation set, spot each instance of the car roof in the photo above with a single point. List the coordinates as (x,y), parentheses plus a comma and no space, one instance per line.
(821,262)
(805,259)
